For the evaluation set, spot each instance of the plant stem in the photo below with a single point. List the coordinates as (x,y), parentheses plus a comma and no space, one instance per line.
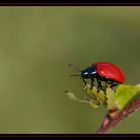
(111,121)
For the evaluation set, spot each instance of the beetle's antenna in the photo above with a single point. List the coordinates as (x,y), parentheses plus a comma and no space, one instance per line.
(74,67)
(75,75)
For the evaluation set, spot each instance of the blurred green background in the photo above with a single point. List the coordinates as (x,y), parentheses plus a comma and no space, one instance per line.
(37,44)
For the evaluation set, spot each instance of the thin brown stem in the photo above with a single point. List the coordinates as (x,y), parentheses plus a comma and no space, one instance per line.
(111,121)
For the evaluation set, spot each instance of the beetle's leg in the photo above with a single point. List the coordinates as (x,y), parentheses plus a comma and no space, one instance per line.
(92,83)
(84,83)
(112,85)
(99,85)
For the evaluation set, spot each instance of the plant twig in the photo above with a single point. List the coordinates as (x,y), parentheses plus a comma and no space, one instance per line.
(111,121)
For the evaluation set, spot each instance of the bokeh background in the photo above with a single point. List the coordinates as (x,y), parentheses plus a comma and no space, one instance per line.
(37,44)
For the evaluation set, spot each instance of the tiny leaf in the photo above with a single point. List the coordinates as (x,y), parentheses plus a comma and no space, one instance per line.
(110,99)
(101,97)
(71,96)
(91,92)
(94,105)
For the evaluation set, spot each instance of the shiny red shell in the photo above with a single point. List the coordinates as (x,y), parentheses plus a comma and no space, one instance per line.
(110,71)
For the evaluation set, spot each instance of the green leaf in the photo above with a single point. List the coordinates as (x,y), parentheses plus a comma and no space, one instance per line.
(118,99)
(101,97)
(125,95)
(91,92)
(110,99)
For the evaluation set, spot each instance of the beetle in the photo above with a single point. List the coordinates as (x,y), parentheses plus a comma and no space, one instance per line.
(102,71)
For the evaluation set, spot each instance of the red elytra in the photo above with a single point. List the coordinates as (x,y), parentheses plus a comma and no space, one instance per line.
(110,71)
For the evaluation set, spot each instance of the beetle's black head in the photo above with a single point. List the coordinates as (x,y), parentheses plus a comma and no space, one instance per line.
(88,73)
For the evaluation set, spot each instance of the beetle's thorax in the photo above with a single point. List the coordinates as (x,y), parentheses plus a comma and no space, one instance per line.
(89,72)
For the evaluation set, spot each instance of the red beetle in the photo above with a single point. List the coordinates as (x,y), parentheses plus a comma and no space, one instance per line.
(102,71)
